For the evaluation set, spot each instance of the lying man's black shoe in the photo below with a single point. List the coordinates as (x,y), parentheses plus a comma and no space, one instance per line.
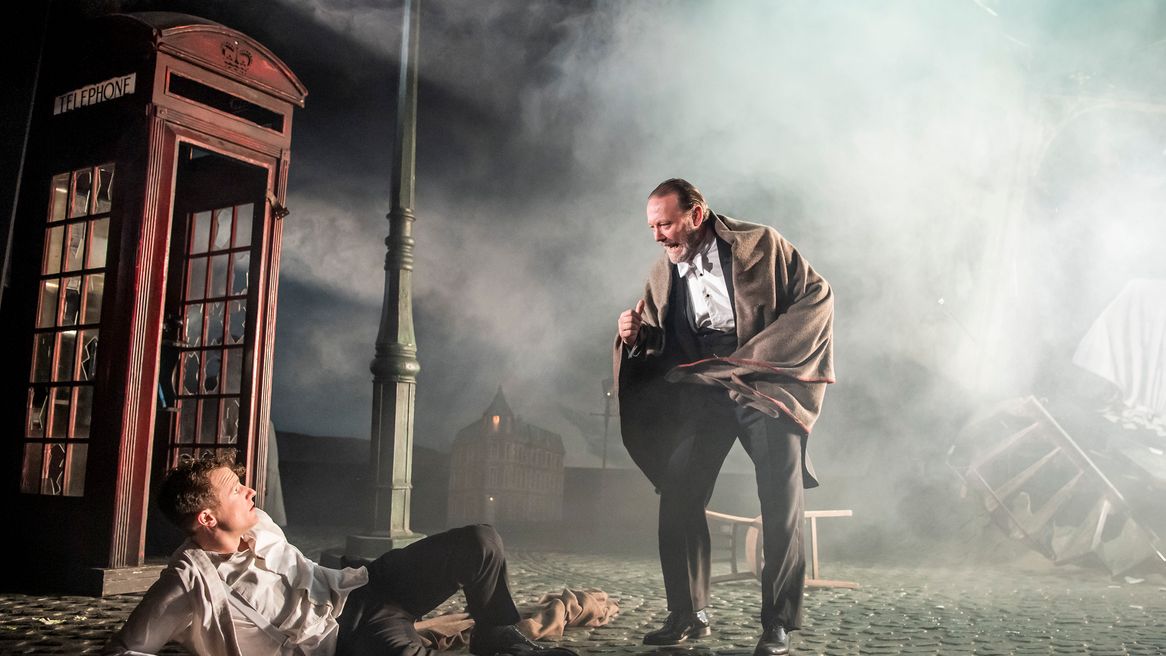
(679,627)
(774,642)
(509,641)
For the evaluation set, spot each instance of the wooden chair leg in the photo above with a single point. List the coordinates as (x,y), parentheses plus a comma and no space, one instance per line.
(814,548)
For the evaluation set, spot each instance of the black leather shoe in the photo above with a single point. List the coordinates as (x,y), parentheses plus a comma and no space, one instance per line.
(774,642)
(509,641)
(680,627)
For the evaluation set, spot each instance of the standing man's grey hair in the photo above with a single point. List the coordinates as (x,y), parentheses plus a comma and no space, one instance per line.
(687,195)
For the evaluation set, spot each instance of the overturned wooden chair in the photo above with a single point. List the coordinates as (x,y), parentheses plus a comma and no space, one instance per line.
(1039,485)
(746,532)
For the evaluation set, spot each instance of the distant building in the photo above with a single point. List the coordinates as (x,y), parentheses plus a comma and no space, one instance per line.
(505,470)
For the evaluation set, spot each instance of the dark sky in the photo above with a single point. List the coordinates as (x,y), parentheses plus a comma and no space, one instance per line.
(904,147)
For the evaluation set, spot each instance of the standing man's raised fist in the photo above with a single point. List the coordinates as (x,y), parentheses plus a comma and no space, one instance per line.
(629,324)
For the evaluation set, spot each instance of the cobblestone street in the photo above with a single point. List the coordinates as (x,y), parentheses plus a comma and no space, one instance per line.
(898,610)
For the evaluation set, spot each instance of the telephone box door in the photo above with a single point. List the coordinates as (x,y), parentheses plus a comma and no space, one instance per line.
(208,352)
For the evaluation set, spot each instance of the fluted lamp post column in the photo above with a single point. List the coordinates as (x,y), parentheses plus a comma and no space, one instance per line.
(395,366)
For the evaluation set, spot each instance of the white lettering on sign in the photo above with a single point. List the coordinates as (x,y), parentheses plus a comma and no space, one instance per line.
(95,93)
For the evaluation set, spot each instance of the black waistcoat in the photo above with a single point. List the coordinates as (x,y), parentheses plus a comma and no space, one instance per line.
(680,342)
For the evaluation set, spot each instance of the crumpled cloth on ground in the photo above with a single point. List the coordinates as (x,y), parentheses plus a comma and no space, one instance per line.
(445,631)
(547,618)
(557,611)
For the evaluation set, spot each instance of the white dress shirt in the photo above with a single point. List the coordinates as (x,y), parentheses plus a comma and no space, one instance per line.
(709,305)
(189,603)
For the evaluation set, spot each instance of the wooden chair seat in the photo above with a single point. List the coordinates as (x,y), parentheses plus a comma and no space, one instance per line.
(738,529)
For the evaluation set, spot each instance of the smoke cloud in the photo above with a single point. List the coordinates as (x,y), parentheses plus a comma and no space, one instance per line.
(977,179)
(908,150)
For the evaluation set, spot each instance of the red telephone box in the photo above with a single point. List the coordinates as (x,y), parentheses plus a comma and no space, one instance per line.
(141,312)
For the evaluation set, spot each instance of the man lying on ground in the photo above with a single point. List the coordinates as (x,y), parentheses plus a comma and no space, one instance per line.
(237,588)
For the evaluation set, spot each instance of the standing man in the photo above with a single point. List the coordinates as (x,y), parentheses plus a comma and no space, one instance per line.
(732,340)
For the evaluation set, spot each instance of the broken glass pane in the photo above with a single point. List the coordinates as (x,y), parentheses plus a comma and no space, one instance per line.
(229,432)
(222,229)
(218,276)
(209,422)
(88,354)
(214,323)
(54,482)
(66,355)
(94,292)
(187,420)
(104,188)
(196,279)
(42,357)
(59,411)
(243,214)
(37,405)
(200,232)
(214,361)
(240,269)
(54,237)
(46,316)
(82,185)
(83,411)
(60,200)
(72,301)
(238,322)
(75,483)
(98,243)
(75,246)
(190,373)
(193,329)
(234,370)
(31,472)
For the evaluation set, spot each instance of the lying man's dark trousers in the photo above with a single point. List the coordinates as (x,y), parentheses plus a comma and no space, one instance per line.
(405,584)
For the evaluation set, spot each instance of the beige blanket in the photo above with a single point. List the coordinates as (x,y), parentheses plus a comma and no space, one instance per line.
(547,618)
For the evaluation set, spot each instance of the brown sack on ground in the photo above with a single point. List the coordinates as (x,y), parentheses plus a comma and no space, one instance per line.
(446,631)
(545,619)
(554,612)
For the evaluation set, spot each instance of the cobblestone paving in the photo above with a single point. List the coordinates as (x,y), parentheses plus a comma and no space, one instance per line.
(898,610)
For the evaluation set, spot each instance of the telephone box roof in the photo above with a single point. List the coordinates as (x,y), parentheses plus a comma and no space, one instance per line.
(216,47)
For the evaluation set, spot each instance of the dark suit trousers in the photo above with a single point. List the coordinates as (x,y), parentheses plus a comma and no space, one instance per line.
(775,446)
(405,584)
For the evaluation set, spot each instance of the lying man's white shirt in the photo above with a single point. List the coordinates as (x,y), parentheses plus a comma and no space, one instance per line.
(189,602)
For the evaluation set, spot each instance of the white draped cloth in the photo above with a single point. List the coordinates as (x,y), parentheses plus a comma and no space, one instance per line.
(1126,345)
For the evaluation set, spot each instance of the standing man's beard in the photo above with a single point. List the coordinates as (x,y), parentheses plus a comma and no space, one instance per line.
(684,251)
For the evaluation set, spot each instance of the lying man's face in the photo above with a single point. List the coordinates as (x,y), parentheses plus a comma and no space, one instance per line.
(235,511)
